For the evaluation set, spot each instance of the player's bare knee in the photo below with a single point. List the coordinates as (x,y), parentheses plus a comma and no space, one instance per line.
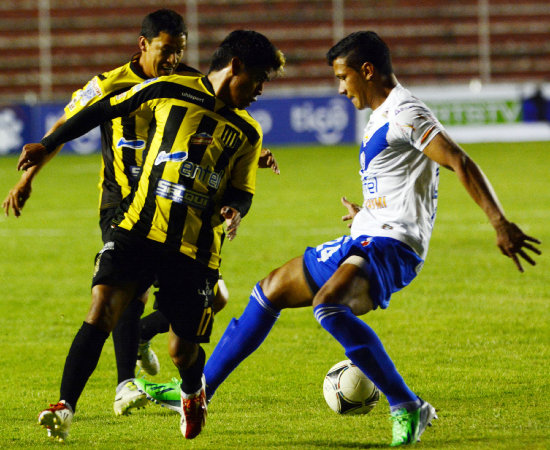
(272,289)
(108,303)
(349,287)
(183,353)
(329,294)
(287,287)
(360,306)
(100,313)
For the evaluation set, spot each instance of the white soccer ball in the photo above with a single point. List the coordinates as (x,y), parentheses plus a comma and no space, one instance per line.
(348,391)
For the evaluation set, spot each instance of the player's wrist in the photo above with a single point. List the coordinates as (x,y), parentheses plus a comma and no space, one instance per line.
(48,144)
(500,223)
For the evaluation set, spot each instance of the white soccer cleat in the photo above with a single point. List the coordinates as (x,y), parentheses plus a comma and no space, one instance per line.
(147,358)
(57,420)
(127,397)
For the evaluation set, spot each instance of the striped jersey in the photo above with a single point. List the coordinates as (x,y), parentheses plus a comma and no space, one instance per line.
(123,139)
(400,183)
(198,147)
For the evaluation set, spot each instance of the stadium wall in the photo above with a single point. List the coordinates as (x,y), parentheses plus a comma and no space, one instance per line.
(471,113)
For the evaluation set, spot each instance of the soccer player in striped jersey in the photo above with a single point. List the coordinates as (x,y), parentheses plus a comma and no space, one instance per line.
(198,174)
(403,147)
(161,44)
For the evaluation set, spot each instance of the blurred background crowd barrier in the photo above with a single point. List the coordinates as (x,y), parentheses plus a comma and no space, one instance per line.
(476,62)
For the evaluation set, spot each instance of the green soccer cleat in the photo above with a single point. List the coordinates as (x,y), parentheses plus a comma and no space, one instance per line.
(167,395)
(409,426)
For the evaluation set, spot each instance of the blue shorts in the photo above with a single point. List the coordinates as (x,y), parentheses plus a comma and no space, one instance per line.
(391,264)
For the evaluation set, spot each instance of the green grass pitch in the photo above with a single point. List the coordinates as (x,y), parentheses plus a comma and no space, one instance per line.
(471,334)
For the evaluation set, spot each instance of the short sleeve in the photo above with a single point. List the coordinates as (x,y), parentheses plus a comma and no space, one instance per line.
(417,124)
(89,94)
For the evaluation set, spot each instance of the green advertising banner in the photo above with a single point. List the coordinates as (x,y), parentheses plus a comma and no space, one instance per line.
(480,112)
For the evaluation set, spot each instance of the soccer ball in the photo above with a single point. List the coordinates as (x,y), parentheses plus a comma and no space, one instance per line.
(348,391)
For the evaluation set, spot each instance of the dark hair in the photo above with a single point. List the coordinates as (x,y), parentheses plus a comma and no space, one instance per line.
(361,47)
(252,48)
(165,20)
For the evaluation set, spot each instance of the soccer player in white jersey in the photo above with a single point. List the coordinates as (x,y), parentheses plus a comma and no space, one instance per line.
(402,150)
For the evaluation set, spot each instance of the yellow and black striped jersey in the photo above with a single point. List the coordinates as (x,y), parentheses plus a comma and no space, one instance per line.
(123,139)
(199,154)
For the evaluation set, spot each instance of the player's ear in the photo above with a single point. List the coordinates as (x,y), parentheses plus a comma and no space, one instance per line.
(367,70)
(142,43)
(236,65)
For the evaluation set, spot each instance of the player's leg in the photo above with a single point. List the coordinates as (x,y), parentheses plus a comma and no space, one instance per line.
(126,342)
(189,358)
(336,306)
(156,323)
(107,304)
(126,332)
(126,337)
(185,296)
(362,282)
(285,287)
(167,394)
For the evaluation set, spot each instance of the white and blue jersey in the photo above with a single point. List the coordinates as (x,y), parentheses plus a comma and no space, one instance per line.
(399,181)
(400,200)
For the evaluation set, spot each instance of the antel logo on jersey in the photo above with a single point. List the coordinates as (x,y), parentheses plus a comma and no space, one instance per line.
(163,157)
(138,144)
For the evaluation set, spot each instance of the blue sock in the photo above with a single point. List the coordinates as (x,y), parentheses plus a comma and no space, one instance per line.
(240,339)
(365,350)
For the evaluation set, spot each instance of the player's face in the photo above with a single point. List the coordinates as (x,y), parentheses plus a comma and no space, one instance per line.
(162,55)
(245,86)
(352,83)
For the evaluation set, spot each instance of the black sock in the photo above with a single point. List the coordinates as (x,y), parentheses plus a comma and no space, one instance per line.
(81,362)
(126,340)
(153,324)
(191,378)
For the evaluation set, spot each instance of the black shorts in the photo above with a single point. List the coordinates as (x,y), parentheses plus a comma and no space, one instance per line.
(106,217)
(185,286)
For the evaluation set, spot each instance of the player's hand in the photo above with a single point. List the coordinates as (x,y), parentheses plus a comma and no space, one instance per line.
(513,242)
(352,208)
(31,155)
(232,221)
(16,198)
(267,161)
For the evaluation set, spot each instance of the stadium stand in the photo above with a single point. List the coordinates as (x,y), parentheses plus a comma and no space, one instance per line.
(432,41)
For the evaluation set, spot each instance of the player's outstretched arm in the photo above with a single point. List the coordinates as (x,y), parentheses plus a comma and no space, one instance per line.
(21,191)
(74,127)
(511,240)
(267,161)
